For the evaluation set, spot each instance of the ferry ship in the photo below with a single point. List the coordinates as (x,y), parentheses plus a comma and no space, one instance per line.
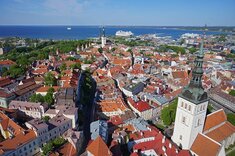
(124,33)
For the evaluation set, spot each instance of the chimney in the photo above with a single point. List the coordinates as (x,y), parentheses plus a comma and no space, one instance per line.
(170,145)
(163,139)
(164,148)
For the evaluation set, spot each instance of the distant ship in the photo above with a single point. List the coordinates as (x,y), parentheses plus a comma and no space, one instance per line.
(124,33)
(69,28)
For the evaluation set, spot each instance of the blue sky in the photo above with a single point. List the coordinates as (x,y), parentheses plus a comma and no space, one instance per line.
(118,12)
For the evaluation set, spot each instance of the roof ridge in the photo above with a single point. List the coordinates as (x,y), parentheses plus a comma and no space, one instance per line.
(210,139)
(215,112)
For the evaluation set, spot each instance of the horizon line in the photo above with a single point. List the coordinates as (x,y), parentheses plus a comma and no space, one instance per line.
(109,25)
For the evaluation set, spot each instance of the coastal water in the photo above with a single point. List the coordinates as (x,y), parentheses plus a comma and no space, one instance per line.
(84,32)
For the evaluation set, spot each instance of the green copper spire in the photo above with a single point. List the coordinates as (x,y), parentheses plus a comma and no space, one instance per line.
(194,92)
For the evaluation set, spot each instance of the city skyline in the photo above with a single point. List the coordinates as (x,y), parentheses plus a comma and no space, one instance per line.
(109,12)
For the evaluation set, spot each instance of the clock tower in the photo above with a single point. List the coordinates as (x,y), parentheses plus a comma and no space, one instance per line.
(192,107)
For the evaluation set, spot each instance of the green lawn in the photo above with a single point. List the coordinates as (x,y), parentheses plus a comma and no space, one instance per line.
(231,153)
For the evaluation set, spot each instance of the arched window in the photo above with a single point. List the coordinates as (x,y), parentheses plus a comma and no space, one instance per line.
(182,104)
(204,107)
(189,107)
(198,122)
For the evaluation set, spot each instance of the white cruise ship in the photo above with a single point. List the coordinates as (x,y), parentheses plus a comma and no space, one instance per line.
(124,33)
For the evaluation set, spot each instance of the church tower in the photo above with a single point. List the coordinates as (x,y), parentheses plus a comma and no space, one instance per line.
(191,108)
(103,39)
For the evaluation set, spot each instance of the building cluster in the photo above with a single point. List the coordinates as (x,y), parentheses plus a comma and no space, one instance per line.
(132,86)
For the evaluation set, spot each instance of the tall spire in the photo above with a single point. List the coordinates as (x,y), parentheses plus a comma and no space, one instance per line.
(194,92)
(103,32)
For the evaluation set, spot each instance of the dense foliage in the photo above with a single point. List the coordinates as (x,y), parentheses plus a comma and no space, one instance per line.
(231,118)
(50,79)
(36,50)
(232,92)
(177,49)
(53,144)
(48,98)
(168,113)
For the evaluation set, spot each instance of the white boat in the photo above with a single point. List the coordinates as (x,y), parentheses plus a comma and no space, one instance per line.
(124,33)
(69,28)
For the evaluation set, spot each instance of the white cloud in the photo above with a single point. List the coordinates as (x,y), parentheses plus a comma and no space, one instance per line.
(64,7)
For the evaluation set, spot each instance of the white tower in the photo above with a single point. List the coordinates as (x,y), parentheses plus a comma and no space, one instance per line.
(191,108)
(103,39)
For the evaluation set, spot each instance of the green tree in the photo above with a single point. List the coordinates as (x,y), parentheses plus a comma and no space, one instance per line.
(16,71)
(47,148)
(231,118)
(232,92)
(51,90)
(36,98)
(4,70)
(57,142)
(48,98)
(46,118)
(50,79)
(100,50)
(75,66)
(168,113)
(71,58)
(63,67)
(192,50)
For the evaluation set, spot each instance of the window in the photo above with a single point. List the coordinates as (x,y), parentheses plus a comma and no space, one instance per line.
(204,107)
(185,106)
(182,104)
(183,119)
(25,148)
(189,107)
(181,137)
(198,122)
(200,108)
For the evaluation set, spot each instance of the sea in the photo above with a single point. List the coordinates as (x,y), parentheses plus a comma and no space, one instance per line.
(85,32)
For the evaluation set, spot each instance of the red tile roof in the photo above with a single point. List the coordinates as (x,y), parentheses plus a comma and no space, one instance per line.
(4,81)
(140,105)
(7,62)
(99,148)
(65,150)
(161,145)
(204,146)
(215,119)
(18,140)
(222,132)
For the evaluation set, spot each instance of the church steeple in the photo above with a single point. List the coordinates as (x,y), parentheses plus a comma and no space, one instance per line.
(103,38)
(103,32)
(194,92)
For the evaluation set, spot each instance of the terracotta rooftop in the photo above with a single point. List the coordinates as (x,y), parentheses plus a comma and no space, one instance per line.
(7,62)
(140,105)
(214,119)
(9,125)
(201,145)
(4,81)
(180,74)
(222,132)
(112,105)
(99,148)
(17,141)
(65,150)
(45,88)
